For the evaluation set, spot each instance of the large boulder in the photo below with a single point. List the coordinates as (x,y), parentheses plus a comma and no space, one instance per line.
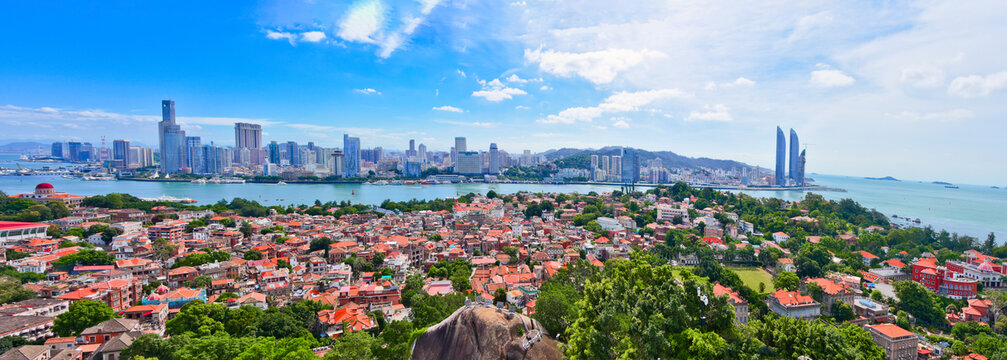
(485,333)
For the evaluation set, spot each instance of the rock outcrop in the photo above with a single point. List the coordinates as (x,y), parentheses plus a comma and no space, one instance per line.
(486,333)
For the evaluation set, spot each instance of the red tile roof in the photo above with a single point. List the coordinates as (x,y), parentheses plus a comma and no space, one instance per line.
(891,330)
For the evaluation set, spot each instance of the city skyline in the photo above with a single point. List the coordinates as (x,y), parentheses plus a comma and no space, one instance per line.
(319,76)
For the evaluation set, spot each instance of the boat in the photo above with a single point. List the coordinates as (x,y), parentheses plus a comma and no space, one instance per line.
(950,186)
(429,182)
(170,199)
(280,183)
(199,181)
(225,181)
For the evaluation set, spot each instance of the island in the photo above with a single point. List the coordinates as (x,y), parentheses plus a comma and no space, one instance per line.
(886,178)
(942,183)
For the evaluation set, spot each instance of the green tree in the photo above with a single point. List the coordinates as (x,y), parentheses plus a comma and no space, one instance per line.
(80,316)
(922,303)
(842,311)
(635,311)
(11,290)
(902,320)
(321,243)
(787,280)
(201,281)
(279,324)
(393,343)
(814,290)
(355,345)
(877,295)
(198,319)
(268,348)
(790,338)
(240,321)
(500,295)
(252,255)
(85,257)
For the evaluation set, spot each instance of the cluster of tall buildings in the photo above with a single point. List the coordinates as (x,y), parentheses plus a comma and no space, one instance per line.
(796,163)
(624,167)
(180,153)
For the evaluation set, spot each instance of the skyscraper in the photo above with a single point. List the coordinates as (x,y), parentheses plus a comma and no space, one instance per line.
(412,149)
(468,163)
(795,160)
(630,165)
(57,150)
(494,160)
(274,153)
(120,153)
(351,151)
(247,136)
(338,163)
(192,151)
(781,157)
(74,150)
(616,167)
(460,147)
(800,168)
(422,154)
(293,153)
(171,138)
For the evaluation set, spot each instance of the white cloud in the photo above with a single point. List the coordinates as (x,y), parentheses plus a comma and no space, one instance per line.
(363,20)
(388,27)
(924,76)
(312,36)
(599,67)
(946,116)
(809,25)
(367,91)
(463,123)
(975,85)
(312,127)
(718,112)
(281,35)
(496,91)
(521,107)
(544,88)
(620,122)
(616,103)
(830,78)
(517,79)
(42,114)
(460,73)
(448,108)
(739,82)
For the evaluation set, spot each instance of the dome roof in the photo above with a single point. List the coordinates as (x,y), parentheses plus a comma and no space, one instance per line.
(161,289)
(986,267)
(43,186)
(154,297)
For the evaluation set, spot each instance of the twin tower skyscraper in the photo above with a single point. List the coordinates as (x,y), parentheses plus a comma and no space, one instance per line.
(797,159)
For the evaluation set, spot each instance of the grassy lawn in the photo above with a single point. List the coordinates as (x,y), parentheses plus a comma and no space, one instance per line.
(752,276)
(678,273)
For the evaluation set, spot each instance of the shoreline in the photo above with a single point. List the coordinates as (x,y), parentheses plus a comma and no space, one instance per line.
(712,186)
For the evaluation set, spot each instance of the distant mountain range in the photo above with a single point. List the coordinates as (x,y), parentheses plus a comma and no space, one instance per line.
(23,147)
(888,178)
(575,158)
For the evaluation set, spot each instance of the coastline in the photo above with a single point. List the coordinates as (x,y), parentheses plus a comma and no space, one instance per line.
(644,185)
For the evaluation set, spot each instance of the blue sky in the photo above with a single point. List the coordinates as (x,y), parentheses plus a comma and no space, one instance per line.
(908,89)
